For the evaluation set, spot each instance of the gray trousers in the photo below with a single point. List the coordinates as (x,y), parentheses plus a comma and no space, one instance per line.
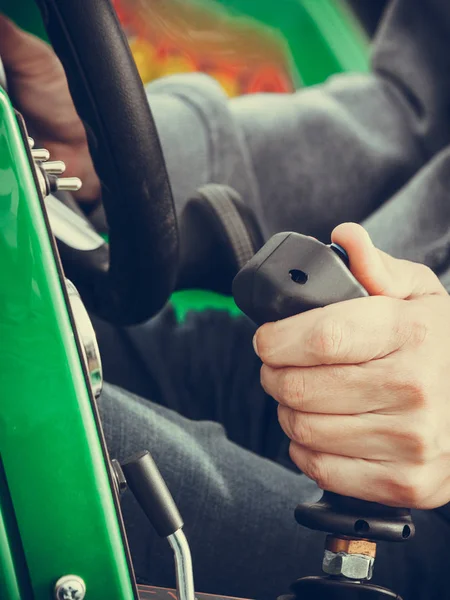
(369,148)
(215,437)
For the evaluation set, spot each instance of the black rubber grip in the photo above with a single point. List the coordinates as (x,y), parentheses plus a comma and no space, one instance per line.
(356,518)
(292,274)
(150,490)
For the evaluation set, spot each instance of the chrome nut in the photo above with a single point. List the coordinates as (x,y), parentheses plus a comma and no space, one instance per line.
(353,566)
(70,587)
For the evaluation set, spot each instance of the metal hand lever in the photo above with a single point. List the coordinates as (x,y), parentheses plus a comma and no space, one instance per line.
(150,490)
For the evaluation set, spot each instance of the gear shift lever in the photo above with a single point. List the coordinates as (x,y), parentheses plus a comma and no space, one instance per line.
(150,490)
(291,274)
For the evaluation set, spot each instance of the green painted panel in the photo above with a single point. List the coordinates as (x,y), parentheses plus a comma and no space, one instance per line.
(54,466)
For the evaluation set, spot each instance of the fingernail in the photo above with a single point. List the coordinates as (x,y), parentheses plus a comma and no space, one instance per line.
(255,345)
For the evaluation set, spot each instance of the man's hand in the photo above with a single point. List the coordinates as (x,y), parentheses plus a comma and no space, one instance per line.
(364,386)
(38,87)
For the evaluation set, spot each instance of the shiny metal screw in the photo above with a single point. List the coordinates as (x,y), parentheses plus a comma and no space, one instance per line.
(40,154)
(68,184)
(70,587)
(55,167)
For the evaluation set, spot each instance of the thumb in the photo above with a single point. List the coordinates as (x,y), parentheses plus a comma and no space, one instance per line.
(380,273)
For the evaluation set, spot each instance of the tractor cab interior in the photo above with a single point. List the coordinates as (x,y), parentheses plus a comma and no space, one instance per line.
(59,266)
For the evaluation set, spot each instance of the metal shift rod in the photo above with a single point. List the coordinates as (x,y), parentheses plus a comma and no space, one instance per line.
(151,492)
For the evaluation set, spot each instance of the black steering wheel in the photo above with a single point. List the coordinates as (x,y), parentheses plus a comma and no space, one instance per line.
(140,273)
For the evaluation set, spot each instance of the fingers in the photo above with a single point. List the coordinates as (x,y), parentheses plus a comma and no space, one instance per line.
(389,483)
(340,389)
(349,332)
(371,436)
(348,436)
(381,274)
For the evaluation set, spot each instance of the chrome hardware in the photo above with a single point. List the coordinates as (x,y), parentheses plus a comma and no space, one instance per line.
(183,565)
(48,170)
(70,228)
(352,566)
(68,184)
(70,587)
(3,82)
(55,167)
(40,154)
(43,182)
(88,340)
(118,477)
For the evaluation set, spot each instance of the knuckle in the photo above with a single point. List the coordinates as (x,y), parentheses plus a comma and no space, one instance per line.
(301,429)
(419,392)
(326,339)
(416,394)
(339,376)
(316,469)
(292,388)
(421,440)
(412,388)
(416,327)
(263,342)
(284,419)
(407,486)
(265,378)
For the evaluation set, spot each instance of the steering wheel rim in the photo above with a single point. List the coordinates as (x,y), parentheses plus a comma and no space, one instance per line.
(123,141)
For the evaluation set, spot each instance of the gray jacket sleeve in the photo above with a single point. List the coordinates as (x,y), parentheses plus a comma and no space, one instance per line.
(309,160)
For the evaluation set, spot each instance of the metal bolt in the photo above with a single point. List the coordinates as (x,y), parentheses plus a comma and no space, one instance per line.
(353,566)
(70,587)
(68,184)
(56,167)
(40,154)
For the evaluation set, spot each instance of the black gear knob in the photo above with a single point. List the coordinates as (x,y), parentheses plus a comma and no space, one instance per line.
(291,274)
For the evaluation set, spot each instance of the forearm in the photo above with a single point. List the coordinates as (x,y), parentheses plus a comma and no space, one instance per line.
(309,160)
(336,152)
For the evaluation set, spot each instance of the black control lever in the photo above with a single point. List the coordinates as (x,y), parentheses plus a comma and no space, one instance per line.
(291,274)
(151,492)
